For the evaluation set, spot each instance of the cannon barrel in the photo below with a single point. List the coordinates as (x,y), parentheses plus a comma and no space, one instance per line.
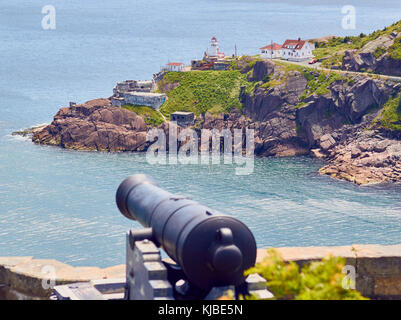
(212,249)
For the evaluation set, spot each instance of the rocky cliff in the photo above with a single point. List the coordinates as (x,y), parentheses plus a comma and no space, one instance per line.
(331,116)
(294,110)
(95,125)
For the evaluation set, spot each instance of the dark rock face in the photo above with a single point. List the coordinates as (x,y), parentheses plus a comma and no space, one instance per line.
(367,60)
(334,126)
(389,66)
(274,114)
(261,70)
(95,125)
(354,61)
(319,117)
(345,103)
(365,94)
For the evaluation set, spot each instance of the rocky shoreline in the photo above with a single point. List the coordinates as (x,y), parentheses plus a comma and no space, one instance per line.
(335,122)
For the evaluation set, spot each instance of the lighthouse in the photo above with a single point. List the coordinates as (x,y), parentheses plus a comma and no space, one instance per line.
(214,49)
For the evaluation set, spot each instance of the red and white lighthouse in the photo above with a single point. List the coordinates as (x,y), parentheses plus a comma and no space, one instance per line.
(214,49)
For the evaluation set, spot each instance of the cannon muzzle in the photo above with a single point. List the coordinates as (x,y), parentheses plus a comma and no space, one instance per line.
(212,249)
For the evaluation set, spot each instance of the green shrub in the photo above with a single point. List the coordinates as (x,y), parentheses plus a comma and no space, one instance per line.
(390,116)
(319,280)
(395,50)
(379,52)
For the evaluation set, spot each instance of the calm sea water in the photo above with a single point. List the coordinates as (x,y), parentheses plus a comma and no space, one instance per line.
(59,204)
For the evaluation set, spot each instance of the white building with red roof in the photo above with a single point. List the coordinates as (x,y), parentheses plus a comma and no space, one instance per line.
(297,50)
(272,51)
(175,66)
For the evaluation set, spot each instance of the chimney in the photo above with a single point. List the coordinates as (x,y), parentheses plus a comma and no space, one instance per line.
(299,39)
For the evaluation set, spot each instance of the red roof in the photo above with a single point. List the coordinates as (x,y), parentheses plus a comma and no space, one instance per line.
(298,44)
(214,38)
(276,46)
(177,64)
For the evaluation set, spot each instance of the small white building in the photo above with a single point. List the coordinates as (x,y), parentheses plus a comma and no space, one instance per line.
(297,50)
(272,51)
(175,66)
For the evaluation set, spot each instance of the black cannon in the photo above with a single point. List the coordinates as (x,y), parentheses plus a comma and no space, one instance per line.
(210,249)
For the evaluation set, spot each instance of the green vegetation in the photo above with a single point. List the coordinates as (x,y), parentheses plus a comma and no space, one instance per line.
(319,280)
(379,52)
(337,45)
(395,50)
(288,70)
(150,115)
(390,116)
(244,62)
(201,91)
(333,61)
(319,83)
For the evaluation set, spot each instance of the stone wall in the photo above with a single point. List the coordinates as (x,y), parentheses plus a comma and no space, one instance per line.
(153,100)
(378,270)
(28,278)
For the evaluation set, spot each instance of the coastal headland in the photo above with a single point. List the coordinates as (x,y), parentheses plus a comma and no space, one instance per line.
(347,115)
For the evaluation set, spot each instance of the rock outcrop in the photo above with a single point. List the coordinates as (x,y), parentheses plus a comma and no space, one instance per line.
(364,157)
(374,57)
(333,125)
(273,113)
(95,125)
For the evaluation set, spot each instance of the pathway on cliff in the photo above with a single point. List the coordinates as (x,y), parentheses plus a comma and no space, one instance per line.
(158,110)
(164,118)
(318,67)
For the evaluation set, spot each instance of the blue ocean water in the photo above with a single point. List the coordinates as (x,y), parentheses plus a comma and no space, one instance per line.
(56,203)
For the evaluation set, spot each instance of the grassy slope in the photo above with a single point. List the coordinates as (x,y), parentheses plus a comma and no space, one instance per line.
(390,116)
(151,116)
(336,46)
(201,91)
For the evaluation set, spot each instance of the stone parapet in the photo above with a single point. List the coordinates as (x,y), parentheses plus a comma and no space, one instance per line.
(377,270)
(29,278)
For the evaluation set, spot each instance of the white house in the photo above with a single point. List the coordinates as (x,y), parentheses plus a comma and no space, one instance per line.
(175,66)
(297,50)
(272,51)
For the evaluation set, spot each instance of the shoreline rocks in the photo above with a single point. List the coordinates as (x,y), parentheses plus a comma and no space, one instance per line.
(95,126)
(28,133)
(365,158)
